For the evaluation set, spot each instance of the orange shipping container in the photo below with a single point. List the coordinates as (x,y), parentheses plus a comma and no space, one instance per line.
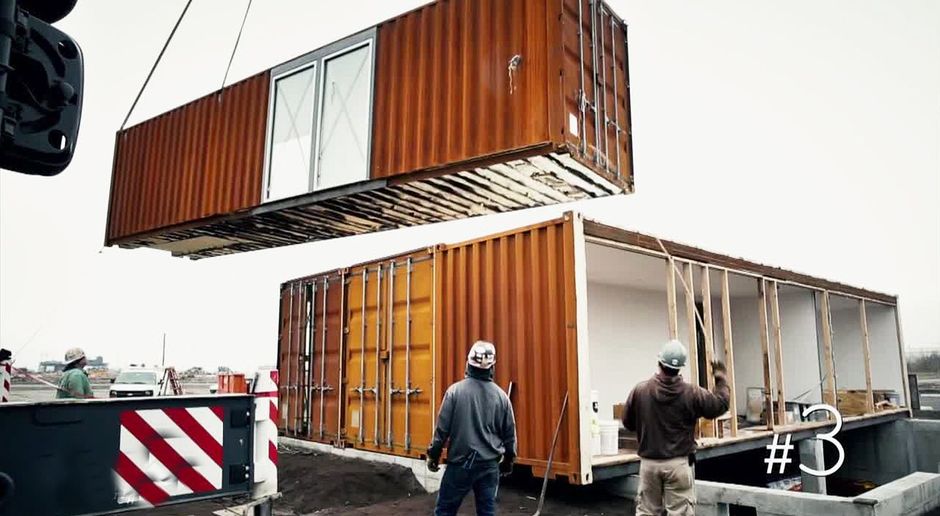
(572,306)
(455,109)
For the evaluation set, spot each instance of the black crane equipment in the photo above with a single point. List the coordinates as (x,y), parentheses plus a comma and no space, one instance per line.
(41,79)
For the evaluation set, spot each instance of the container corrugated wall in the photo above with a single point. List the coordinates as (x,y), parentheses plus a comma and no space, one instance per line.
(407,334)
(311,357)
(389,355)
(202,159)
(443,91)
(603,135)
(517,291)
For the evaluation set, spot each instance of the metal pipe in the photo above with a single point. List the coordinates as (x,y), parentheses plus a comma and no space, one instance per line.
(603,89)
(326,290)
(362,355)
(408,355)
(378,340)
(581,99)
(597,115)
(389,375)
(311,333)
(290,345)
(613,51)
(341,353)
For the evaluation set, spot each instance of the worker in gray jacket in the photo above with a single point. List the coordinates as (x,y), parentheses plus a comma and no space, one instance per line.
(477,425)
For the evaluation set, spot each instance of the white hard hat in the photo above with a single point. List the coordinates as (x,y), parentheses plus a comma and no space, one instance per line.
(482,354)
(74,355)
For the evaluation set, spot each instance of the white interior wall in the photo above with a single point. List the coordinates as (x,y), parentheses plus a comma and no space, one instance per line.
(745,328)
(886,372)
(801,371)
(847,343)
(626,328)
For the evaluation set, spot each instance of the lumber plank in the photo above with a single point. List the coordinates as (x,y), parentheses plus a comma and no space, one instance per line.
(778,354)
(671,315)
(765,351)
(829,393)
(866,354)
(729,349)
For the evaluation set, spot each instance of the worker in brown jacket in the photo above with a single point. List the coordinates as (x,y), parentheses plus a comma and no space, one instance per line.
(663,411)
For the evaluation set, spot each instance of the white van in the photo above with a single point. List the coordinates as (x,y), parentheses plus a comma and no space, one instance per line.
(136,381)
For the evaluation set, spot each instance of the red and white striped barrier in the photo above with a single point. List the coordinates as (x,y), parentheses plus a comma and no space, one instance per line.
(169,452)
(264,388)
(6,377)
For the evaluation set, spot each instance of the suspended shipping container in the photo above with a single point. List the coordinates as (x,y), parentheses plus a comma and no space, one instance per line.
(455,109)
(573,306)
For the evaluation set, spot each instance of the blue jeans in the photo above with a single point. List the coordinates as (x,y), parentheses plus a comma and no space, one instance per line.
(481,476)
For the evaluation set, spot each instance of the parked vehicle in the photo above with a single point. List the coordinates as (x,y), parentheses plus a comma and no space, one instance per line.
(136,381)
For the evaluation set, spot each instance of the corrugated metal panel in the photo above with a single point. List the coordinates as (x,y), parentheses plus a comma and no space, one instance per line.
(389,360)
(311,357)
(516,289)
(603,136)
(443,83)
(202,159)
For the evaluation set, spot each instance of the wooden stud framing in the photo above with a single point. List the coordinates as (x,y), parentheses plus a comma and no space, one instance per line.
(829,393)
(765,351)
(866,354)
(671,316)
(708,330)
(729,349)
(904,380)
(778,354)
(712,428)
(690,321)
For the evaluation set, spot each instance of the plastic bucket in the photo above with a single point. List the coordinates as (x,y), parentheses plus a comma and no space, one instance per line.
(610,431)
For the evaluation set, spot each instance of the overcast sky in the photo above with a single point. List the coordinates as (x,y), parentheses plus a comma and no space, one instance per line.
(801,134)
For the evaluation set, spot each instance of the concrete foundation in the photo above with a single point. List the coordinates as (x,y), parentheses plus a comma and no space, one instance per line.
(912,495)
(431,482)
(811,456)
(890,451)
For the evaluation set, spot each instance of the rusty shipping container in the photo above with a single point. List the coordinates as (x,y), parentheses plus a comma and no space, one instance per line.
(371,374)
(455,109)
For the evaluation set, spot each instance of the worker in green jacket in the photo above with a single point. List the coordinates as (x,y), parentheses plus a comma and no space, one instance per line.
(74,382)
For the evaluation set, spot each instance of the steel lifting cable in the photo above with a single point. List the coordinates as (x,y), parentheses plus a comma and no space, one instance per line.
(235,48)
(155,63)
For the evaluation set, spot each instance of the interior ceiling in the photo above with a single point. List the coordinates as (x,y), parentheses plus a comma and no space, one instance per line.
(639,271)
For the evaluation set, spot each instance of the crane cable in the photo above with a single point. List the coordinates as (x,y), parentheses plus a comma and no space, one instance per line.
(235,48)
(155,63)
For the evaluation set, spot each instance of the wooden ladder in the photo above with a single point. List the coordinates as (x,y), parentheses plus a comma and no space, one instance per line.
(173,380)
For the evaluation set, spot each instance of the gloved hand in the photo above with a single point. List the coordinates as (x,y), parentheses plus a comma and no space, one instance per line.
(505,466)
(433,465)
(719,370)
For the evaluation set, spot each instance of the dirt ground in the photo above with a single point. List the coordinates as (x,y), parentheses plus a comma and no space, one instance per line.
(321,484)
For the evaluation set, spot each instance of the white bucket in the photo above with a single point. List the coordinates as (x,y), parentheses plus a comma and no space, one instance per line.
(610,431)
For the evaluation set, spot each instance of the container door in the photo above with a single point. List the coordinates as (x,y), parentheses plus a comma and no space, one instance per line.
(293,329)
(409,422)
(326,344)
(283,353)
(362,347)
(389,366)
(345,120)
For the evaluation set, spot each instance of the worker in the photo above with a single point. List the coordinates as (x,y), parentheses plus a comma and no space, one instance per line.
(477,424)
(663,412)
(74,382)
